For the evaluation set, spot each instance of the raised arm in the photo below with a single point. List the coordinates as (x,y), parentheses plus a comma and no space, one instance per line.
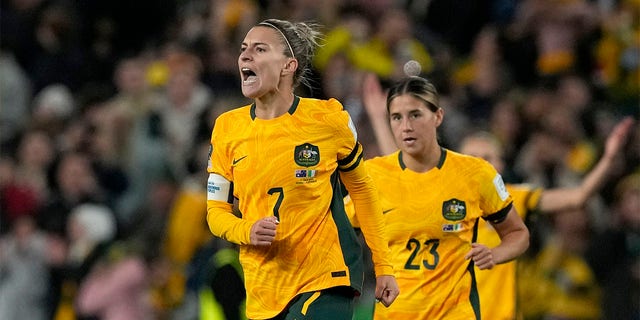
(375,104)
(559,199)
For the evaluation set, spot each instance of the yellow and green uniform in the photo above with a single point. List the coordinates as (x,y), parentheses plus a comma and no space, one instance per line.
(291,167)
(497,287)
(431,221)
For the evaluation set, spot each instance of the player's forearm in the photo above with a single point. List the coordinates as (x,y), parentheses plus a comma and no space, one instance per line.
(559,199)
(596,178)
(511,246)
(571,198)
(225,225)
(373,228)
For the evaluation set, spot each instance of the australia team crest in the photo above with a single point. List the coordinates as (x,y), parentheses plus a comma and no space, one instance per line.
(454,209)
(306,155)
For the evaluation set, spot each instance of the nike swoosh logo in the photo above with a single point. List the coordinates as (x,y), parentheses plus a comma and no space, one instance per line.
(387,211)
(235,161)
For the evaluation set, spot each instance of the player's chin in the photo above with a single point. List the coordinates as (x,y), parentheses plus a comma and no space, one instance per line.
(251,91)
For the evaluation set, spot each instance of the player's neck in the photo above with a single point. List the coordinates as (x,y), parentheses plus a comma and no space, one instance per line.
(422,162)
(273,105)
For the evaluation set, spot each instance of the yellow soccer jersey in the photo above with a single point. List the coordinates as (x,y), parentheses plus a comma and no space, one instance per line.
(431,221)
(497,287)
(290,167)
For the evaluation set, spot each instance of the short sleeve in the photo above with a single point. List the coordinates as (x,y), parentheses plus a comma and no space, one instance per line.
(493,192)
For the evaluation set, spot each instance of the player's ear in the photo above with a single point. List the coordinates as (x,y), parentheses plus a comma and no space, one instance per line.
(290,66)
(439,116)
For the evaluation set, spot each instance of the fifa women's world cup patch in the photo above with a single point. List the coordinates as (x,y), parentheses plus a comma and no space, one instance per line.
(500,187)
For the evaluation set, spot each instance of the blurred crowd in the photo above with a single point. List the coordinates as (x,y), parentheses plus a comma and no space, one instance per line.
(106,111)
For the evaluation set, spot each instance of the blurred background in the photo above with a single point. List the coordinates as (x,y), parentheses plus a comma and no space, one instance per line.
(106,111)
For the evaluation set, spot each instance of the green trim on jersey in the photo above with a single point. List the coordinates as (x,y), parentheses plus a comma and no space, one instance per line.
(352,251)
(443,157)
(474,297)
(292,109)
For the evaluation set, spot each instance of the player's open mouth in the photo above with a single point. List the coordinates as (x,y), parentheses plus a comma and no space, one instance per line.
(248,76)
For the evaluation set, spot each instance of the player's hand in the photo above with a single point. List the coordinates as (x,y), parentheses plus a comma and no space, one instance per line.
(263,231)
(386,289)
(481,255)
(618,136)
(374,98)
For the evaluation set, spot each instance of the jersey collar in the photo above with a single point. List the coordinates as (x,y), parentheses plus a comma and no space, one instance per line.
(443,156)
(292,109)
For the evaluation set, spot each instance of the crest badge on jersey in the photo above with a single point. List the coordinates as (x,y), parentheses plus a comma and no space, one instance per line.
(307,155)
(454,209)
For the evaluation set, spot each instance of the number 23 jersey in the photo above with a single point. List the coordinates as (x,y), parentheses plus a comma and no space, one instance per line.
(431,221)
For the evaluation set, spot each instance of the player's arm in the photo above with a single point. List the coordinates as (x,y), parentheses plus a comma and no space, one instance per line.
(364,196)
(367,208)
(220,195)
(497,203)
(375,104)
(514,240)
(514,237)
(368,212)
(224,224)
(220,218)
(560,199)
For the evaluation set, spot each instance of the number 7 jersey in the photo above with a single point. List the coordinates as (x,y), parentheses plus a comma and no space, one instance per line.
(288,167)
(431,220)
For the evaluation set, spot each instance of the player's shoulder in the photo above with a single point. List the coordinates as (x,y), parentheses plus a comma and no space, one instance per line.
(473,168)
(235,114)
(330,112)
(385,162)
(465,160)
(315,105)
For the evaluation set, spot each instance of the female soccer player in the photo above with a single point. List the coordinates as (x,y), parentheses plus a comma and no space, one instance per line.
(497,287)
(283,157)
(433,199)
